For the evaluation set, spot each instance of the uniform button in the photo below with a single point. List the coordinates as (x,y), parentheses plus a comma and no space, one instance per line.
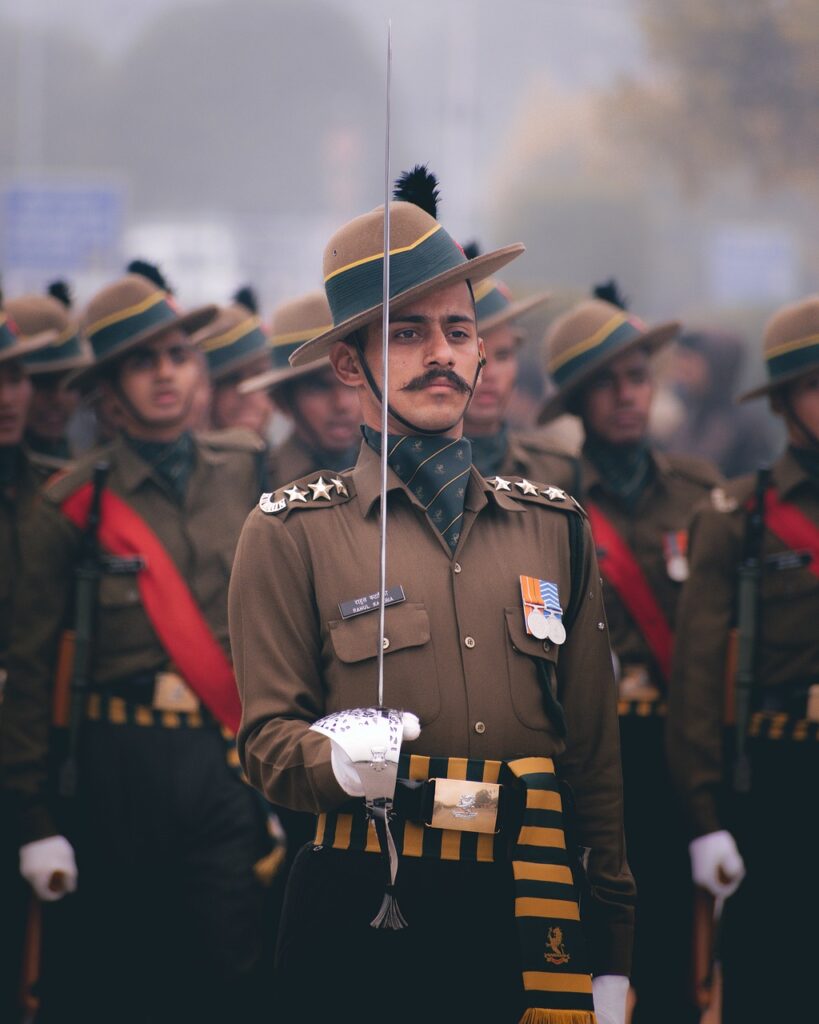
(480,727)
(601,626)
(386,643)
(456,567)
(547,645)
(470,642)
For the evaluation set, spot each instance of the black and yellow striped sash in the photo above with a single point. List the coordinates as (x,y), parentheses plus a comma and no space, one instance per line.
(103,707)
(779,725)
(642,708)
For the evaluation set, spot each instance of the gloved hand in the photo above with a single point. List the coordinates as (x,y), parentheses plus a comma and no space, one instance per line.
(49,867)
(609,992)
(716,864)
(346,775)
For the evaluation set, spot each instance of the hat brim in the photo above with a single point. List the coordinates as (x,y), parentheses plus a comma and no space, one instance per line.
(21,349)
(281,375)
(238,364)
(513,311)
(471,270)
(190,323)
(653,340)
(770,386)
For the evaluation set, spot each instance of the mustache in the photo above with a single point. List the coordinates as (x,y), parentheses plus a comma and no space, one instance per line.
(417,383)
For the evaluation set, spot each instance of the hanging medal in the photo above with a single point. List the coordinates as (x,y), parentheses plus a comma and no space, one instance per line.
(542,614)
(675,548)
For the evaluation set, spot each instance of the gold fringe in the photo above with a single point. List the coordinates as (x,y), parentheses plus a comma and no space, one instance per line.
(537,1015)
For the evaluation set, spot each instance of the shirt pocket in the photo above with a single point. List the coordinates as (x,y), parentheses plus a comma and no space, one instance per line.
(531,665)
(410,671)
(122,624)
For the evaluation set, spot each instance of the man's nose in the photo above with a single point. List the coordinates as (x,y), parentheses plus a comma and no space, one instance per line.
(438,350)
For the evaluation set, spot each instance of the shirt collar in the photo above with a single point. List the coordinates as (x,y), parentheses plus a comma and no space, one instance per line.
(788,475)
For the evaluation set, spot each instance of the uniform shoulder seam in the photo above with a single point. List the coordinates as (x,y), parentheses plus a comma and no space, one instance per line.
(321,489)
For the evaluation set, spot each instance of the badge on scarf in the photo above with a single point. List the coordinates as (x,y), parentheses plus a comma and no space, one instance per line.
(542,614)
(675,548)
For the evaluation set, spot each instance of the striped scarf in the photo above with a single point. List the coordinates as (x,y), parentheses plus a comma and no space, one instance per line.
(436,470)
(626,469)
(172,460)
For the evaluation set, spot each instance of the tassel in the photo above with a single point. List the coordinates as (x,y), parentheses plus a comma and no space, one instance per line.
(537,1015)
(389,916)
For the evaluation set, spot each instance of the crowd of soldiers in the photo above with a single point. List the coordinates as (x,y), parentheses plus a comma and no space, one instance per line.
(616,641)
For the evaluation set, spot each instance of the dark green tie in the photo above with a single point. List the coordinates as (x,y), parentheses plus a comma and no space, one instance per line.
(436,470)
(173,460)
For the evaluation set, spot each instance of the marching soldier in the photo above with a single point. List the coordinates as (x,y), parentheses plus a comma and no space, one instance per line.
(167,836)
(495,638)
(324,412)
(639,502)
(754,566)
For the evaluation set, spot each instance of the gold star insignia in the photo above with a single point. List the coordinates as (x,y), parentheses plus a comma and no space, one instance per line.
(338,483)
(320,490)
(526,487)
(555,494)
(294,494)
(500,484)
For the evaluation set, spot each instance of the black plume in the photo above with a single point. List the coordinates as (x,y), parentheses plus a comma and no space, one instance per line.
(61,291)
(247,297)
(471,250)
(609,291)
(420,187)
(151,271)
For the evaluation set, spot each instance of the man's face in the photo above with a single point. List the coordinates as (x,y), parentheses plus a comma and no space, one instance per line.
(433,345)
(52,406)
(325,412)
(485,414)
(15,395)
(615,404)
(230,409)
(803,398)
(156,384)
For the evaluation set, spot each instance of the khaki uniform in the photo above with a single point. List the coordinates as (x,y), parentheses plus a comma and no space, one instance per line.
(531,456)
(290,460)
(457,652)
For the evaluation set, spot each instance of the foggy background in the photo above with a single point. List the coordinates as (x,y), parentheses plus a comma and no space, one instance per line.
(672,144)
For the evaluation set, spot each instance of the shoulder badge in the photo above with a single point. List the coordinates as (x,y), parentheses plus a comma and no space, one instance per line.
(323,491)
(528,490)
(268,506)
(723,502)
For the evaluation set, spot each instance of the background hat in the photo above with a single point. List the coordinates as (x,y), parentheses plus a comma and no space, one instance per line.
(790,346)
(48,316)
(234,339)
(423,258)
(588,337)
(493,300)
(129,313)
(294,323)
(12,345)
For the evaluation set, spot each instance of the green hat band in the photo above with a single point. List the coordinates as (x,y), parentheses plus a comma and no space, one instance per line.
(359,286)
(785,360)
(229,348)
(614,333)
(491,304)
(57,351)
(107,335)
(8,337)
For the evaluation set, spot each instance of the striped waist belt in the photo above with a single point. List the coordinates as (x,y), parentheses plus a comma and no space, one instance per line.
(779,725)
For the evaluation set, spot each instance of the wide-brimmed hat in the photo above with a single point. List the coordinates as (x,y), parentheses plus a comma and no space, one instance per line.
(423,258)
(12,345)
(128,313)
(495,306)
(233,340)
(588,337)
(790,345)
(293,323)
(48,318)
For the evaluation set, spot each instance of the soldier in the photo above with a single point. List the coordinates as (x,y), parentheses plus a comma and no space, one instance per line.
(639,502)
(324,412)
(167,834)
(770,529)
(236,348)
(480,575)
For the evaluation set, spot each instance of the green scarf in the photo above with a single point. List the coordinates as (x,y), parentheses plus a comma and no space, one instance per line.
(626,469)
(172,460)
(489,452)
(808,459)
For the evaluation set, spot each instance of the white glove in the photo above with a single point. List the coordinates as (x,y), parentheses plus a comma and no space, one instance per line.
(609,992)
(49,867)
(716,864)
(346,775)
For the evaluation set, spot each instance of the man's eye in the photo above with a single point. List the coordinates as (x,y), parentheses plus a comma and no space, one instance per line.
(406,332)
(179,354)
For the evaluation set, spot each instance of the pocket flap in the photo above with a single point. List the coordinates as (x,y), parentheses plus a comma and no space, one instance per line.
(523,642)
(405,625)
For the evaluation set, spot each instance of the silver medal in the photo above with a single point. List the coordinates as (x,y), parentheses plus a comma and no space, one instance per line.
(538,624)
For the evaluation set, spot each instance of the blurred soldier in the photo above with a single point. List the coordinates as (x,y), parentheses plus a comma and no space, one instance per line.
(325,413)
(167,835)
(237,348)
(639,502)
(754,566)
(52,405)
(505,692)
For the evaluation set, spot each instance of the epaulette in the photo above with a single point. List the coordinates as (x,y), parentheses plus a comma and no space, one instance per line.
(694,470)
(543,445)
(63,483)
(316,490)
(234,439)
(734,494)
(546,495)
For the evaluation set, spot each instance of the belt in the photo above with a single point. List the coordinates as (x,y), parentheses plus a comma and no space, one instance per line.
(779,725)
(790,698)
(165,690)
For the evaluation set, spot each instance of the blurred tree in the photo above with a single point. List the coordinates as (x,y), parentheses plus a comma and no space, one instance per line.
(737,85)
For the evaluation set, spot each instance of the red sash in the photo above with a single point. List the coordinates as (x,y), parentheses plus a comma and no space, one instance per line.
(792,527)
(168,603)
(622,572)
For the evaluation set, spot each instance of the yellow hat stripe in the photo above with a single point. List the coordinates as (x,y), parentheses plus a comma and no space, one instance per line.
(596,339)
(380,255)
(298,336)
(239,331)
(124,314)
(792,346)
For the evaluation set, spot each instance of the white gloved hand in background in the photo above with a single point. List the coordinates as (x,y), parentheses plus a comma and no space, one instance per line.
(346,775)
(716,863)
(610,992)
(49,867)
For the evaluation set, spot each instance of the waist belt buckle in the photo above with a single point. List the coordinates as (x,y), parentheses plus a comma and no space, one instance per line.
(462,806)
(172,693)
(635,684)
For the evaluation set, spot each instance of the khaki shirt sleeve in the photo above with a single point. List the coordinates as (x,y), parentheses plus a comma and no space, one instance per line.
(697,692)
(591,767)
(48,545)
(275,638)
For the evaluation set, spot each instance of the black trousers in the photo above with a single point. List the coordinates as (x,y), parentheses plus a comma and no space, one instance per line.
(769,966)
(167,921)
(657,848)
(458,959)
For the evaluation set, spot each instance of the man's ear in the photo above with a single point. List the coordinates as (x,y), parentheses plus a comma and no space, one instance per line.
(481,353)
(346,364)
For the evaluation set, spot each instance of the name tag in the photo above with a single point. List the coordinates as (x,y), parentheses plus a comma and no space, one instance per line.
(788,560)
(368,603)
